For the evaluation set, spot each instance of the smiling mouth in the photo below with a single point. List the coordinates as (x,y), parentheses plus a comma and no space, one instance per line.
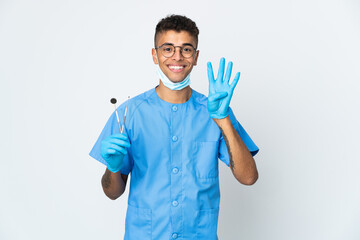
(176,68)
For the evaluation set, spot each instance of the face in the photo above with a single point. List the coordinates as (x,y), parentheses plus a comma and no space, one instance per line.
(176,68)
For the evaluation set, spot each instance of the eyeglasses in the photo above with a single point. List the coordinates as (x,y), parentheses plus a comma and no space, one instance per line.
(168,50)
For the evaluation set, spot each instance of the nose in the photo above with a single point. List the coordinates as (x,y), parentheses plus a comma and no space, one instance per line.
(177,54)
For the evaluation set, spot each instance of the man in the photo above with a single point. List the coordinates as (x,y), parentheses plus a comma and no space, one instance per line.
(171,144)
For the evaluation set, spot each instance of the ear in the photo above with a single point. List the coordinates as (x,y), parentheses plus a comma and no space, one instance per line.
(196,57)
(153,53)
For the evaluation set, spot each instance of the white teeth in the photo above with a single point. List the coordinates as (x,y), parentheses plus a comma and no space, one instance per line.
(176,67)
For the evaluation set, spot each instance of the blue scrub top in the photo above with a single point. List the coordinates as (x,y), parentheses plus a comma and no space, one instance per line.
(173,161)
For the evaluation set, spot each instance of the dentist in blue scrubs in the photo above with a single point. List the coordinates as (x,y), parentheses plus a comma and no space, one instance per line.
(172,142)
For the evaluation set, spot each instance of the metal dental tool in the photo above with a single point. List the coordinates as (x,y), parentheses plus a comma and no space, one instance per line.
(113,101)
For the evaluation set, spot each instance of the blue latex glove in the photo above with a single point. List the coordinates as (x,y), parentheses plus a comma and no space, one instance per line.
(113,150)
(220,91)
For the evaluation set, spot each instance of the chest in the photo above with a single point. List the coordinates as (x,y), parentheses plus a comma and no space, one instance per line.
(163,126)
(184,138)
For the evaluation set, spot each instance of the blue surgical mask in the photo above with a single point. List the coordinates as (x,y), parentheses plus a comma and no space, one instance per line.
(171,85)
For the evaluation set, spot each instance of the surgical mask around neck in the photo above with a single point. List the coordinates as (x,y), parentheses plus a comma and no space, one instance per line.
(171,85)
(168,83)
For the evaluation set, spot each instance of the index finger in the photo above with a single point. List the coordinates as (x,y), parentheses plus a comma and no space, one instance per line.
(210,72)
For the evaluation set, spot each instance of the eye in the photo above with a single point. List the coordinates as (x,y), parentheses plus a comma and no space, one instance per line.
(187,49)
(167,49)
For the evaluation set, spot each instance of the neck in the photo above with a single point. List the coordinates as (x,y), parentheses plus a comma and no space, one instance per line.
(173,96)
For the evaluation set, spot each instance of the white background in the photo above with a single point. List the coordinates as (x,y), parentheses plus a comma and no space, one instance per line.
(298,98)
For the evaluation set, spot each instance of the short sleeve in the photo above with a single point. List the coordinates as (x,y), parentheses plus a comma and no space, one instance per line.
(112,127)
(223,152)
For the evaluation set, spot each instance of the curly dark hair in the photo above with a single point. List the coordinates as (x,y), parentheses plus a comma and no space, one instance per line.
(177,23)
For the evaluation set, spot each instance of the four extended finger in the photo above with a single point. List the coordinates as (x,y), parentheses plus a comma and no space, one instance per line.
(235,81)
(210,72)
(221,69)
(228,72)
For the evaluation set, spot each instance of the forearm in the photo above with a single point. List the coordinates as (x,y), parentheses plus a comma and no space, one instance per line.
(112,184)
(242,163)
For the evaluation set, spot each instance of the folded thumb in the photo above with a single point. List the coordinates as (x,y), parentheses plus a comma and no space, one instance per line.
(217,96)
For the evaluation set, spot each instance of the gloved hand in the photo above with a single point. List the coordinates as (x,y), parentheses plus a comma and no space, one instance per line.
(220,91)
(113,150)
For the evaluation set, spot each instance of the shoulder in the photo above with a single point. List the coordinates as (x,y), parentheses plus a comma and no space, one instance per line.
(134,103)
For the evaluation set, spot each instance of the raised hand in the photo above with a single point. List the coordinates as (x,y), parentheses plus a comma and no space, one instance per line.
(220,91)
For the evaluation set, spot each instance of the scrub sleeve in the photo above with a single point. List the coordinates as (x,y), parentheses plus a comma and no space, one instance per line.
(110,128)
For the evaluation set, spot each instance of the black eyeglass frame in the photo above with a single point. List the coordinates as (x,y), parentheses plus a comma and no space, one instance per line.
(181,49)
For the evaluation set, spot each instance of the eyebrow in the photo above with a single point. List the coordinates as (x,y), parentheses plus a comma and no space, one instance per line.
(184,44)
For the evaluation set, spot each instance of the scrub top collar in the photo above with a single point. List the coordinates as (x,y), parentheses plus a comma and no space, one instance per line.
(171,104)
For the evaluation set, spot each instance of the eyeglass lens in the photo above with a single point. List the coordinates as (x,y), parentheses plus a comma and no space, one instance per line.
(169,50)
